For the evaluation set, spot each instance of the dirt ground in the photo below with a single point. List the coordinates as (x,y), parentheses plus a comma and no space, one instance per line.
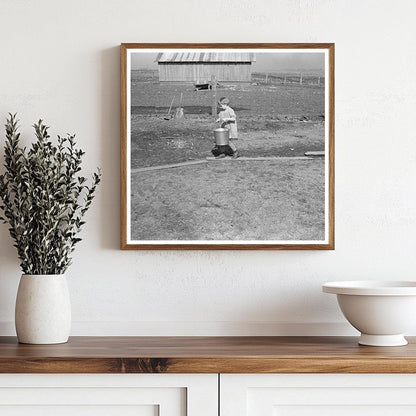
(228,200)
(150,97)
(158,142)
(231,200)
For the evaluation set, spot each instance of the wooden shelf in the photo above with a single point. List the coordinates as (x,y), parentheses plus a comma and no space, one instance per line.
(206,355)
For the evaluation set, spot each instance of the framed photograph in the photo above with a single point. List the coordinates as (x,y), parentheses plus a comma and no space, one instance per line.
(227,146)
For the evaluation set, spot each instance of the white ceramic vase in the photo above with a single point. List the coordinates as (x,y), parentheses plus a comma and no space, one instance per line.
(43,309)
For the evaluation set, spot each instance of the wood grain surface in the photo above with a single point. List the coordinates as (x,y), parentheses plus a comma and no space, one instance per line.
(206,355)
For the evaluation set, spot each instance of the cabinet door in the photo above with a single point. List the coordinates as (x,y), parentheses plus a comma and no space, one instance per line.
(318,394)
(108,395)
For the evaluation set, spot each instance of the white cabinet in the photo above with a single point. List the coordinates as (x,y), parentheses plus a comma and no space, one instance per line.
(109,395)
(317,394)
(197,394)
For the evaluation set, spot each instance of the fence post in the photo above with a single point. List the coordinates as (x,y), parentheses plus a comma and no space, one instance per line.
(267,77)
(214,95)
(300,79)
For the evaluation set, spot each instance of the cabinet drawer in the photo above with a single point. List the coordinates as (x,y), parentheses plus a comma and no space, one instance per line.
(108,395)
(318,394)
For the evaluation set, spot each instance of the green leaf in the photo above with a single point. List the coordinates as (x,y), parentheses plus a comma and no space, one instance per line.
(44,198)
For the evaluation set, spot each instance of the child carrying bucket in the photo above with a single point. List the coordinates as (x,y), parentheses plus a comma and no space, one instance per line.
(228,120)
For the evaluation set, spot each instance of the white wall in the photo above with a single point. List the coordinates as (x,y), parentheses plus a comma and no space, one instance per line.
(60,61)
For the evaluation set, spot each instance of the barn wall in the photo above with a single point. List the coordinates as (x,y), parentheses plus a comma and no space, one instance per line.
(202,72)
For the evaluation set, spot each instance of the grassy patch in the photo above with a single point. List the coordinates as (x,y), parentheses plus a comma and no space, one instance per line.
(230,200)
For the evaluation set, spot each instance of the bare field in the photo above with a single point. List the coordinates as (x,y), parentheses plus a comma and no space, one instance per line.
(273,120)
(230,200)
(155,142)
(152,97)
(227,200)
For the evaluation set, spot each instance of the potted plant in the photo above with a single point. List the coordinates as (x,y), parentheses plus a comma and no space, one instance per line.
(44,199)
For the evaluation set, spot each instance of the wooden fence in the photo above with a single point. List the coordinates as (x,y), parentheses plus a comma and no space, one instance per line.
(299,78)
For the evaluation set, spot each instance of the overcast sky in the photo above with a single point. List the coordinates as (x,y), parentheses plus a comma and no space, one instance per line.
(265,62)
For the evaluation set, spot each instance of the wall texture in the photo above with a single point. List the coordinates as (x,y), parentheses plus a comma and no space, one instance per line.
(60,62)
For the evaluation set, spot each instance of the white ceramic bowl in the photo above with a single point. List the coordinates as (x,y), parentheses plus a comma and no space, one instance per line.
(381,311)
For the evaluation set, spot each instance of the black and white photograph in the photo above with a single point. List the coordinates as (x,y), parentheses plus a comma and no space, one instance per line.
(227,147)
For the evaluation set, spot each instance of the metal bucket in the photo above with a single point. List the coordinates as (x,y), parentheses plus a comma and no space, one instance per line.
(221,137)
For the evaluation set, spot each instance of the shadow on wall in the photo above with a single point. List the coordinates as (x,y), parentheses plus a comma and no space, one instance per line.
(109,96)
(283,315)
(9,278)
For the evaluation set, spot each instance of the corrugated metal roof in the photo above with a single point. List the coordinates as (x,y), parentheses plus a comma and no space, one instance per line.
(206,57)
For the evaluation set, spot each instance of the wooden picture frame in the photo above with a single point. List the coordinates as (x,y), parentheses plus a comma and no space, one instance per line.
(162,154)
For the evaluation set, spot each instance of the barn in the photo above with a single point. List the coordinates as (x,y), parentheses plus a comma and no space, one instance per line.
(199,67)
